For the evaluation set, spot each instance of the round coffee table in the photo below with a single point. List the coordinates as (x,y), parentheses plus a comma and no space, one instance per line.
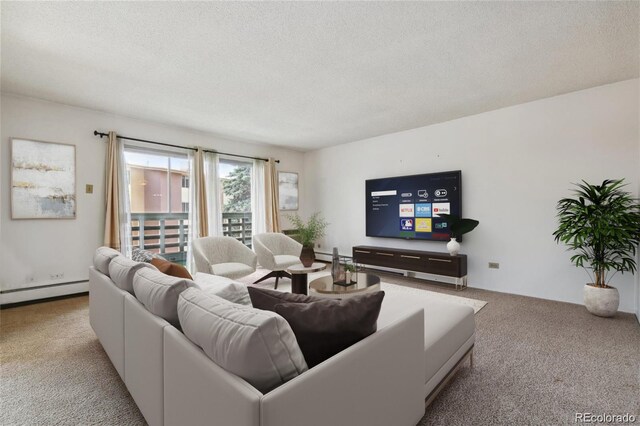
(299,275)
(324,286)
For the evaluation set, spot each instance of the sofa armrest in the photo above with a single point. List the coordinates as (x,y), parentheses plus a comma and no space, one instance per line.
(199,392)
(106,316)
(378,381)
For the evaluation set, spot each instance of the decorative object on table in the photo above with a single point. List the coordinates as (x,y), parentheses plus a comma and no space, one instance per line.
(347,272)
(457,227)
(602,224)
(288,190)
(43,180)
(335,263)
(307,234)
(351,276)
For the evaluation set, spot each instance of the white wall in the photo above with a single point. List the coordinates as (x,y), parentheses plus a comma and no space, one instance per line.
(516,163)
(32,250)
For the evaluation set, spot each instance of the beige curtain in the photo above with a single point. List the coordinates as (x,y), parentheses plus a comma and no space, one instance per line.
(272,202)
(200,194)
(112,217)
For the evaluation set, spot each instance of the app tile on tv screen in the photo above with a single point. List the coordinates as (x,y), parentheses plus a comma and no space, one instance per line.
(439,208)
(406,224)
(406,210)
(423,225)
(423,210)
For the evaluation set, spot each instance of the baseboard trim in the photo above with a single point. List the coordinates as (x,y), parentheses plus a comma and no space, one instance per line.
(14,290)
(36,301)
(44,292)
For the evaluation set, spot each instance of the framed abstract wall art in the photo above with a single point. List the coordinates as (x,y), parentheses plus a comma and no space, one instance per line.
(288,190)
(43,180)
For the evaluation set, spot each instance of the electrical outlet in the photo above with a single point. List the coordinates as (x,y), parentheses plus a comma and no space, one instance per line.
(494,265)
(89,188)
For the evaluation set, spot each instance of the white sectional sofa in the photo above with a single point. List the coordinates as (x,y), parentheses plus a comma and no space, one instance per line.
(382,380)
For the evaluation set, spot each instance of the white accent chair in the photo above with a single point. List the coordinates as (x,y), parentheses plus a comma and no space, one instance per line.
(223,256)
(276,252)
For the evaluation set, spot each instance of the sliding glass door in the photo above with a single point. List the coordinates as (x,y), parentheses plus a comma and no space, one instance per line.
(159,201)
(235,185)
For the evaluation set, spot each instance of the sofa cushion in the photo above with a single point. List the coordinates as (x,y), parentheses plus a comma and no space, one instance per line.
(447,325)
(102,257)
(257,345)
(223,287)
(122,270)
(327,327)
(170,268)
(268,299)
(159,292)
(231,269)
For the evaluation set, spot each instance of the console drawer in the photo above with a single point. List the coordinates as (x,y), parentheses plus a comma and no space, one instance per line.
(412,260)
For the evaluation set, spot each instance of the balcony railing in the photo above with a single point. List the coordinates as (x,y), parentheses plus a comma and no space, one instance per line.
(162,233)
(238,226)
(167,233)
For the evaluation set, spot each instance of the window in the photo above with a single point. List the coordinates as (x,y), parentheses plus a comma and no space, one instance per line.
(235,184)
(159,201)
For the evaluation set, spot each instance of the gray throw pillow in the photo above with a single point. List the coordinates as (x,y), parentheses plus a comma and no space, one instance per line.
(140,255)
(326,327)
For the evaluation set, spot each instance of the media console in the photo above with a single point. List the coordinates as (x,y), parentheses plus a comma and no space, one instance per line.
(428,262)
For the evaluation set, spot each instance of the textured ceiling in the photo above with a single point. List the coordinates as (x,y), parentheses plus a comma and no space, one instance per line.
(307,75)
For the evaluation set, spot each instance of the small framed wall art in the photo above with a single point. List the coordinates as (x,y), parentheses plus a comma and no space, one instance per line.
(288,190)
(43,180)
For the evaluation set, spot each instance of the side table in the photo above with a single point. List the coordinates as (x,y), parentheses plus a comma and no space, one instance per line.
(299,275)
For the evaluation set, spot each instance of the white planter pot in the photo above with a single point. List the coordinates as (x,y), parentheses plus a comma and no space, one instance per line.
(453,247)
(601,301)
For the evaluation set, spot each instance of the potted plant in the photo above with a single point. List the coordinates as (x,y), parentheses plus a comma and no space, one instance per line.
(457,227)
(307,234)
(602,224)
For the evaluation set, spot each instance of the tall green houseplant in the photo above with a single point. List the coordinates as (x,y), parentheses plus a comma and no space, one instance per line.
(601,223)
(307,233)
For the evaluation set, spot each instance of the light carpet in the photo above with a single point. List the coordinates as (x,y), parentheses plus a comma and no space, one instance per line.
(536,362)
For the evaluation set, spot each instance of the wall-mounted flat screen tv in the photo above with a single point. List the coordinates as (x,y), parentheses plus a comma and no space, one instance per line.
(408,207)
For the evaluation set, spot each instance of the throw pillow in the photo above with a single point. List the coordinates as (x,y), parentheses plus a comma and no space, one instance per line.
(327,327)
(256,345)
(140,255)
(159,292)
(268,299)
(172,269)
(223,287)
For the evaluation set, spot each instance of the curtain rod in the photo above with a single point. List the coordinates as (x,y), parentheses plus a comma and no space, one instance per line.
(97,133)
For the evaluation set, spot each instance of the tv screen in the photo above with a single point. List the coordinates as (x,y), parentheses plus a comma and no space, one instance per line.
(408,207)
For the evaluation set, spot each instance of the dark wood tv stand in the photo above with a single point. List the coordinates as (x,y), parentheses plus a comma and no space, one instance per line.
(429,262)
